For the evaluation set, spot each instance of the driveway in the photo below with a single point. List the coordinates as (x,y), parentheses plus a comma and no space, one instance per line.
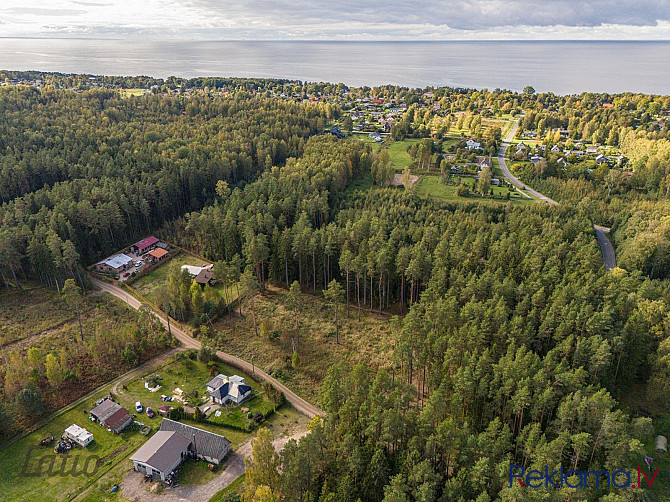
(134,487)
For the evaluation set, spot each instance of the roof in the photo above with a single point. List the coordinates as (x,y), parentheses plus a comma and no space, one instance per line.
(79,433)
(194,271)
(118,419)
(204,276)
(162,450)
(233,389)
(145,243)
(164,408)
(157,253)
(105,409)
(217,381)
(206,443)
(117,260)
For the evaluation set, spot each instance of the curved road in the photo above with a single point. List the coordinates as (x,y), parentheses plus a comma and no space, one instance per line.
(296,401)
(513,179)
(606,247)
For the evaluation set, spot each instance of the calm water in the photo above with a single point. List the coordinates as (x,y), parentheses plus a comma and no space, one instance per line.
(561,67)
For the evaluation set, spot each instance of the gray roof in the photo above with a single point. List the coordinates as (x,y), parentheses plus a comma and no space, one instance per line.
(216,382)
(117,261)
(105,410)
(204,443)
(162,450)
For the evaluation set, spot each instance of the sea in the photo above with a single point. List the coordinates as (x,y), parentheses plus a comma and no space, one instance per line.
(562,67)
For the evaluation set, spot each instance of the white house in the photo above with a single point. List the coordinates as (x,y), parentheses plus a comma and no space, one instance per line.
(473,145)
(601,159)
(223,389)
(194,271)
(555,148)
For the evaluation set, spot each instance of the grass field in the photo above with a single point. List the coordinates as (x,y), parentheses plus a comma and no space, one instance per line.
(126,93)
(191,376)
(370,340)
(149,285)
(236,486)
(398,155)
(113,449)
(432,186)
(33,310)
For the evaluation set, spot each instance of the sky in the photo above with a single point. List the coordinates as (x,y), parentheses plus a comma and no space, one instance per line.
(338,19)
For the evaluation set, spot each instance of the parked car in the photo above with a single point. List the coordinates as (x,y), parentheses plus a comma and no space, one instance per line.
(138,263)
(138,407)
(126,274)
(150,412)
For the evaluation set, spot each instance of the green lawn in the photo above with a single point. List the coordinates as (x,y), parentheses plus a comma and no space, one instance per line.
(398,155)
(148,285)
(111,448)
(236,487)
(195,472)
(191,376)
(432,186)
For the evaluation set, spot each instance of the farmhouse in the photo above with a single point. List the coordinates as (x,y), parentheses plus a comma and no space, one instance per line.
(223,389)
(111,415)
(79,435)
(155,255)
(472,144)
(145,245)
(117,263)
(203,277)
(161,454)
(194,271)
(591,149)
(485,162)
(204,445)
(601,159)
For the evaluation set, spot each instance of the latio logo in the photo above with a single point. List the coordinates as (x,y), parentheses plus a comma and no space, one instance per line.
(578,479)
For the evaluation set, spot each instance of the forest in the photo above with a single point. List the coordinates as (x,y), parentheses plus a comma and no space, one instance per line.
(512,345)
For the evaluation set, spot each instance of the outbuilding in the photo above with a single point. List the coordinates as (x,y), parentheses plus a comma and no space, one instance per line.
(145,245)
(111,415)
(161,454)
(79,435)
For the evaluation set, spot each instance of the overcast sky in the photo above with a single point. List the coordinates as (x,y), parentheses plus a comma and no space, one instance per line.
(337,19)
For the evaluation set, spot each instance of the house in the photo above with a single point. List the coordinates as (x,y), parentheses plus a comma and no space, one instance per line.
(601,159)
(555,148)
(203,277)
(535,159)
(204,445)
(116,263)
(111,415)
(79,435)
(194,271)
(521,147)
(144,246)
(485,162)
(161,454)
(471,144)
(223,389)
(155,255)
(591,149)
(563,162)
(335,131)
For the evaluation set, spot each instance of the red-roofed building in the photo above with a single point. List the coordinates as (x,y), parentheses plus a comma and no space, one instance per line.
(145,245)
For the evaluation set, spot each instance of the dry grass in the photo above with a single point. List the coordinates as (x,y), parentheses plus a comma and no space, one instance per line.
(368,341)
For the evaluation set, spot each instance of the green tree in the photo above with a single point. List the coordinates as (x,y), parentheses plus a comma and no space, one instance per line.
(334,295)
(262,468)
(54,371)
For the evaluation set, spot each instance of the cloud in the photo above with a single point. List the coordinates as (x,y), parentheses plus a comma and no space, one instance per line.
(342,19)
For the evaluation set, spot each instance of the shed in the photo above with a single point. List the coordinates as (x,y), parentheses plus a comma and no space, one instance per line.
(161,454)
(662,443)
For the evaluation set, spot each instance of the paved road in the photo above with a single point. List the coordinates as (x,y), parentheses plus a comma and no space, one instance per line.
(513,179)
(296,401)
(605,245)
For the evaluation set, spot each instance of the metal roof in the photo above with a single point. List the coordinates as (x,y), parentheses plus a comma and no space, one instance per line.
(117,261)
(145,243)
(162,451)
(203,442)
